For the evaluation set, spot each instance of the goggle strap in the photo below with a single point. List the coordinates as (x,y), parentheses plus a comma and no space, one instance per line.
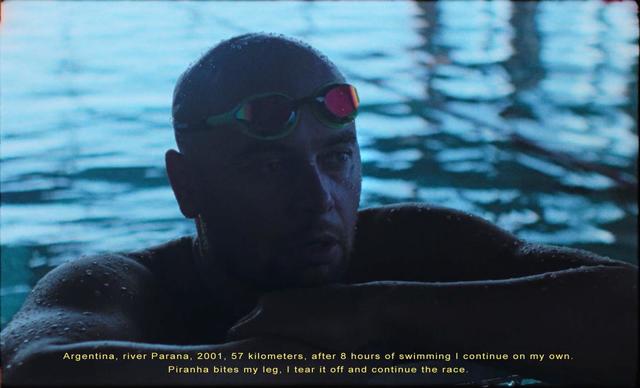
(242,114)
(220,119)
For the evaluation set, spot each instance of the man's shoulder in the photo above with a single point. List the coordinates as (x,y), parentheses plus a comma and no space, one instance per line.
(172,253)
(402,240)
(406,215)
(88,278)
(141,260)
(411,217)
(408,207)
(391,240)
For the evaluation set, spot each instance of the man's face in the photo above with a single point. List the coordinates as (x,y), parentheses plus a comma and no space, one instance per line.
(281,213)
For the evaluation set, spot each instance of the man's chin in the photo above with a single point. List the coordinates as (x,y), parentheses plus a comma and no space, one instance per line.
(316,267)
(319,275)
(315,272)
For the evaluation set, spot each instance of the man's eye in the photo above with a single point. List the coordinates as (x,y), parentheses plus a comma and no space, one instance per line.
(337,159)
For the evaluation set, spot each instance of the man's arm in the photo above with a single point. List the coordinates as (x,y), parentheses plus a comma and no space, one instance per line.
(589,313)
(468,286)
(77,303)
(46,365)
(104,305)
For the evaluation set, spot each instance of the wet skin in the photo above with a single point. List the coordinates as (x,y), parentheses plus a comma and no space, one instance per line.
(290,204)
(284,261)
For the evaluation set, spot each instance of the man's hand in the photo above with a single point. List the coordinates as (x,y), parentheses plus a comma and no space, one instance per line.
(334,318)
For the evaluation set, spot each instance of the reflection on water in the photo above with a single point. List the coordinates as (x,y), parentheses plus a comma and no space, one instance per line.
(523,113)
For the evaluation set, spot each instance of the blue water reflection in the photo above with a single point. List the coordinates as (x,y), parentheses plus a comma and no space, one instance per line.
(522,113)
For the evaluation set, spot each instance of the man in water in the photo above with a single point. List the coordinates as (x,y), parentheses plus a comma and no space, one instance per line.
(269,168)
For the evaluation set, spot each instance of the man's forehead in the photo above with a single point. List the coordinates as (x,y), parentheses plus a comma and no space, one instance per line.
(290,79)
(226,76)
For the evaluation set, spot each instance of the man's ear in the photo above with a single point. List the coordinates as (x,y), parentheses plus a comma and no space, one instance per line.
(183,183)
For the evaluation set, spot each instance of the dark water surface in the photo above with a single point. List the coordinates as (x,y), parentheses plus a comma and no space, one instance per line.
(521,113)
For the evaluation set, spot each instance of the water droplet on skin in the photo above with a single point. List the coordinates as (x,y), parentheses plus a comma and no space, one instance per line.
(97,293)
(123,288)
(106,284)
(64,280)
(86,313)
(66,329)
(25,341)
(88,272)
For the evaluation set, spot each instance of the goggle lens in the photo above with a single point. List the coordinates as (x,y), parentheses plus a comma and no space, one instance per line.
(271,116)
(268,115)
(342,101)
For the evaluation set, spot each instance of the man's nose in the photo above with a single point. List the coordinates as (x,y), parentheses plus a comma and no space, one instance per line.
(314,190)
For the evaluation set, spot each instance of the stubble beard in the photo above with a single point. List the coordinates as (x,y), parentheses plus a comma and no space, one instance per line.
(272,275)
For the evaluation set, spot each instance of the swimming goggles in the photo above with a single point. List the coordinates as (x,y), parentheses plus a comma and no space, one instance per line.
(269,116)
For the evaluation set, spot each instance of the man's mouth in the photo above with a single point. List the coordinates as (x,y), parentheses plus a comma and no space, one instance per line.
(321,249)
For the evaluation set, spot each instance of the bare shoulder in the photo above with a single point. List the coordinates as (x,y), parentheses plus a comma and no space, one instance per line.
(422,242)
(84,299)
(405,216)
(104,297)
(104,282)
(92,282)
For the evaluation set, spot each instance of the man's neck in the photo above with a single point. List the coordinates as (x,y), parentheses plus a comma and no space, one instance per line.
(234,296)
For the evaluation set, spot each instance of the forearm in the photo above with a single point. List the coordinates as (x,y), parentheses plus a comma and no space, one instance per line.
(588,312)
(45,364)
